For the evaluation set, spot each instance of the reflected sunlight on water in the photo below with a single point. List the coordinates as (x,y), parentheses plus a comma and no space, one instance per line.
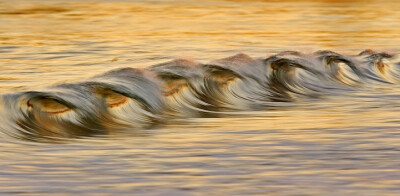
(342,141)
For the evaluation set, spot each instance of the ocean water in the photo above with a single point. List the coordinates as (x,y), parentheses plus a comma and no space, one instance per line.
(232,97)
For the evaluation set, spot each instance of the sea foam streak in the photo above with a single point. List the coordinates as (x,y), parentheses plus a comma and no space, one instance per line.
(137,98)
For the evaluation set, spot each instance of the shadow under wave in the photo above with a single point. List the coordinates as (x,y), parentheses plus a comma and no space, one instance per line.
(131,98)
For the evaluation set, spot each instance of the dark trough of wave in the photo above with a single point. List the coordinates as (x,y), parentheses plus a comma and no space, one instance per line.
(131,98)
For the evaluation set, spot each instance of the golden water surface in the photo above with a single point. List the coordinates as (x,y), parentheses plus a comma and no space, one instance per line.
(344,145)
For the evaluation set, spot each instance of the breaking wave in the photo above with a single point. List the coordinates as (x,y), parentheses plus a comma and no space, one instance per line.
(138,98)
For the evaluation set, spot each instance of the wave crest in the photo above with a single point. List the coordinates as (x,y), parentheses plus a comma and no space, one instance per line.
(137,98)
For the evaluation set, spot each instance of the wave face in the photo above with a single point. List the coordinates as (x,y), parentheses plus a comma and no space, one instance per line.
(138,98)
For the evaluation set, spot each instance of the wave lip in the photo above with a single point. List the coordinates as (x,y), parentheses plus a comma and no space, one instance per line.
(236,82)
(61,111)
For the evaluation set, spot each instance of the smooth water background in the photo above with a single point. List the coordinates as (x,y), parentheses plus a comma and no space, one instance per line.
(338,145)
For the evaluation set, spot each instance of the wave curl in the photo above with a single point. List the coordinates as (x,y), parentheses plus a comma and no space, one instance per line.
(182,88)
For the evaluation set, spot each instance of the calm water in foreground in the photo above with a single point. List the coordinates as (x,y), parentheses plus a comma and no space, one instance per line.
(347,143)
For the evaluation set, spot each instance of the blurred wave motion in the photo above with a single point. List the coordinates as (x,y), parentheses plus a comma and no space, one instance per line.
(132,97)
